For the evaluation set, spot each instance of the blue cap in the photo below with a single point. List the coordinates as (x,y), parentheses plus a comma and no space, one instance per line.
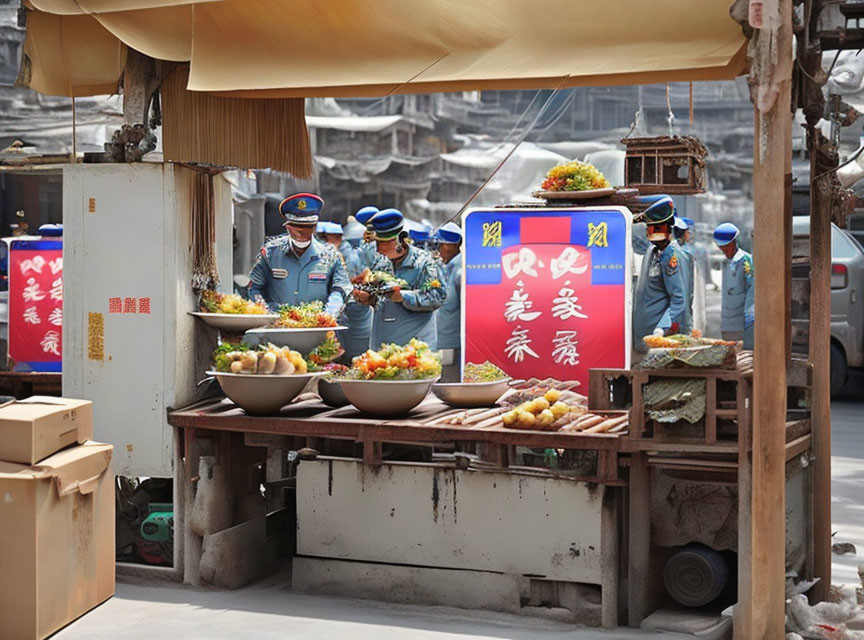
(449,233)
(302,208)
(365,214)
(51,230)
(387,224)
(333,228)
(662,210)
(321,227)
(680,224)
(689,222)
(419,235)
(725,233)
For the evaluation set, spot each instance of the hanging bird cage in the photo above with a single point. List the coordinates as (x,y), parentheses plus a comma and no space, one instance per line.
(665,164)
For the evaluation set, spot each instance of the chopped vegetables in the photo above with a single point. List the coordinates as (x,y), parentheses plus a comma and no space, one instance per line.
(327,351)
(304,316)
(414,361)
(486,372)
(678,341)
(215,302)
(265,361)
(574,176)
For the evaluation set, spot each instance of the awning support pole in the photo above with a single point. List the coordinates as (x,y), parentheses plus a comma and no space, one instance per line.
(761,614)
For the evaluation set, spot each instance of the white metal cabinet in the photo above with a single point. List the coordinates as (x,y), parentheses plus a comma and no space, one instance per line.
(127,237)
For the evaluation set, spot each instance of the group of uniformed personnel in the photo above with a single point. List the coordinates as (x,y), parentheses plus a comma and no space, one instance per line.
(663,302)
(297,267)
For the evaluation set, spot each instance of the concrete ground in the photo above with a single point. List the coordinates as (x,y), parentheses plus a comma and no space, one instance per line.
(847,473)
(269,610)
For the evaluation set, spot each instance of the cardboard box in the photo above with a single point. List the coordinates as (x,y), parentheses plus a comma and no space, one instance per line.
(56,540)
(40,426)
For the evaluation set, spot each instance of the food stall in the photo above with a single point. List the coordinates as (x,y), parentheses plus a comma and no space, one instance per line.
(545,481)
(700,42)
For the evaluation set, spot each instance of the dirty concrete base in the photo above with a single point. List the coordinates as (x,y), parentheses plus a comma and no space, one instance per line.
(269,609)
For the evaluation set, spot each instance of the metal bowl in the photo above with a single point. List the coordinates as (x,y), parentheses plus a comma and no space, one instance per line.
(471,394)
(386,397)
(331,393)
(261,394)
(235,322)
(302,340)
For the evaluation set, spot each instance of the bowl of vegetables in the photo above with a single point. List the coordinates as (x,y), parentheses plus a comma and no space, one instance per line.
(329,388)
(302,327)
(393,380)
(482,385)
(260,381)
(230,312)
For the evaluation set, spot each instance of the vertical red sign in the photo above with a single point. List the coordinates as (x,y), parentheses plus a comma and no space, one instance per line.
(547,290)
(36,305)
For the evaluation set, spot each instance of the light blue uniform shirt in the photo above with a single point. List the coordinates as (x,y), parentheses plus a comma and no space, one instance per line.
(359,315)
(280,277)
(738,304)
(660,299)
(449,315)
(688,263)
(414,317)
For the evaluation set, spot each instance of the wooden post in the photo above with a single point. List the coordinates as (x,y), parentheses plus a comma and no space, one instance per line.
(820,357)
(764,613)
(639,540)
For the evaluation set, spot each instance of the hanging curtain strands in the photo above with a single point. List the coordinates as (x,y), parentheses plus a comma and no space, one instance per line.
(205,274)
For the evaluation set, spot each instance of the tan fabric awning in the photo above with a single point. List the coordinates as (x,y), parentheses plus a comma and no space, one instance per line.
(303,48)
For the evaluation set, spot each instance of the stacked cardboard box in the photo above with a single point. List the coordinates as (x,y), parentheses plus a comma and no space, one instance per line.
(56,516)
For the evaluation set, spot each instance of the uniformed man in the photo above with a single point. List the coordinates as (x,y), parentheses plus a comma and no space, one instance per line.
(408,312)
(333,234)
(659,305)
(359,316)
(449,239)
(295,267)
(738,304)
(682,235)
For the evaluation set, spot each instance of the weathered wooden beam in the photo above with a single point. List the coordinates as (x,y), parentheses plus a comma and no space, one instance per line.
(820,358)
(763,612)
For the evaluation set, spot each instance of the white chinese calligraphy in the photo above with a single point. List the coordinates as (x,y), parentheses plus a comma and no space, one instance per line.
(31,316)
(570,261)
(517,308)
(57,289)
(564,351)
(566,305)
(522,262)
(56,266)
(518,345)
(51,343)
(32,292)
(56,317)
(35,265)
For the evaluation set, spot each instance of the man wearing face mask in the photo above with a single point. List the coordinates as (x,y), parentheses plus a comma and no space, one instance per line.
(407,312)
(296,268)
(660,302)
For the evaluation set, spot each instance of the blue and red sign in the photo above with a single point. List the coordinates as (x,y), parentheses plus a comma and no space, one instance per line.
(547,291)
(36,304)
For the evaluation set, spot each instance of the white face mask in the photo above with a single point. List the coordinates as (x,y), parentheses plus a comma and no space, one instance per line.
(299,244)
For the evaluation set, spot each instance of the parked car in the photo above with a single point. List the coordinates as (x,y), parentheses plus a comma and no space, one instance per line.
(847,300)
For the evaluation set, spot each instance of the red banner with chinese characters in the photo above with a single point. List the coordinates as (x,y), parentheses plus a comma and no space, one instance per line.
(547,291)
(36,305)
